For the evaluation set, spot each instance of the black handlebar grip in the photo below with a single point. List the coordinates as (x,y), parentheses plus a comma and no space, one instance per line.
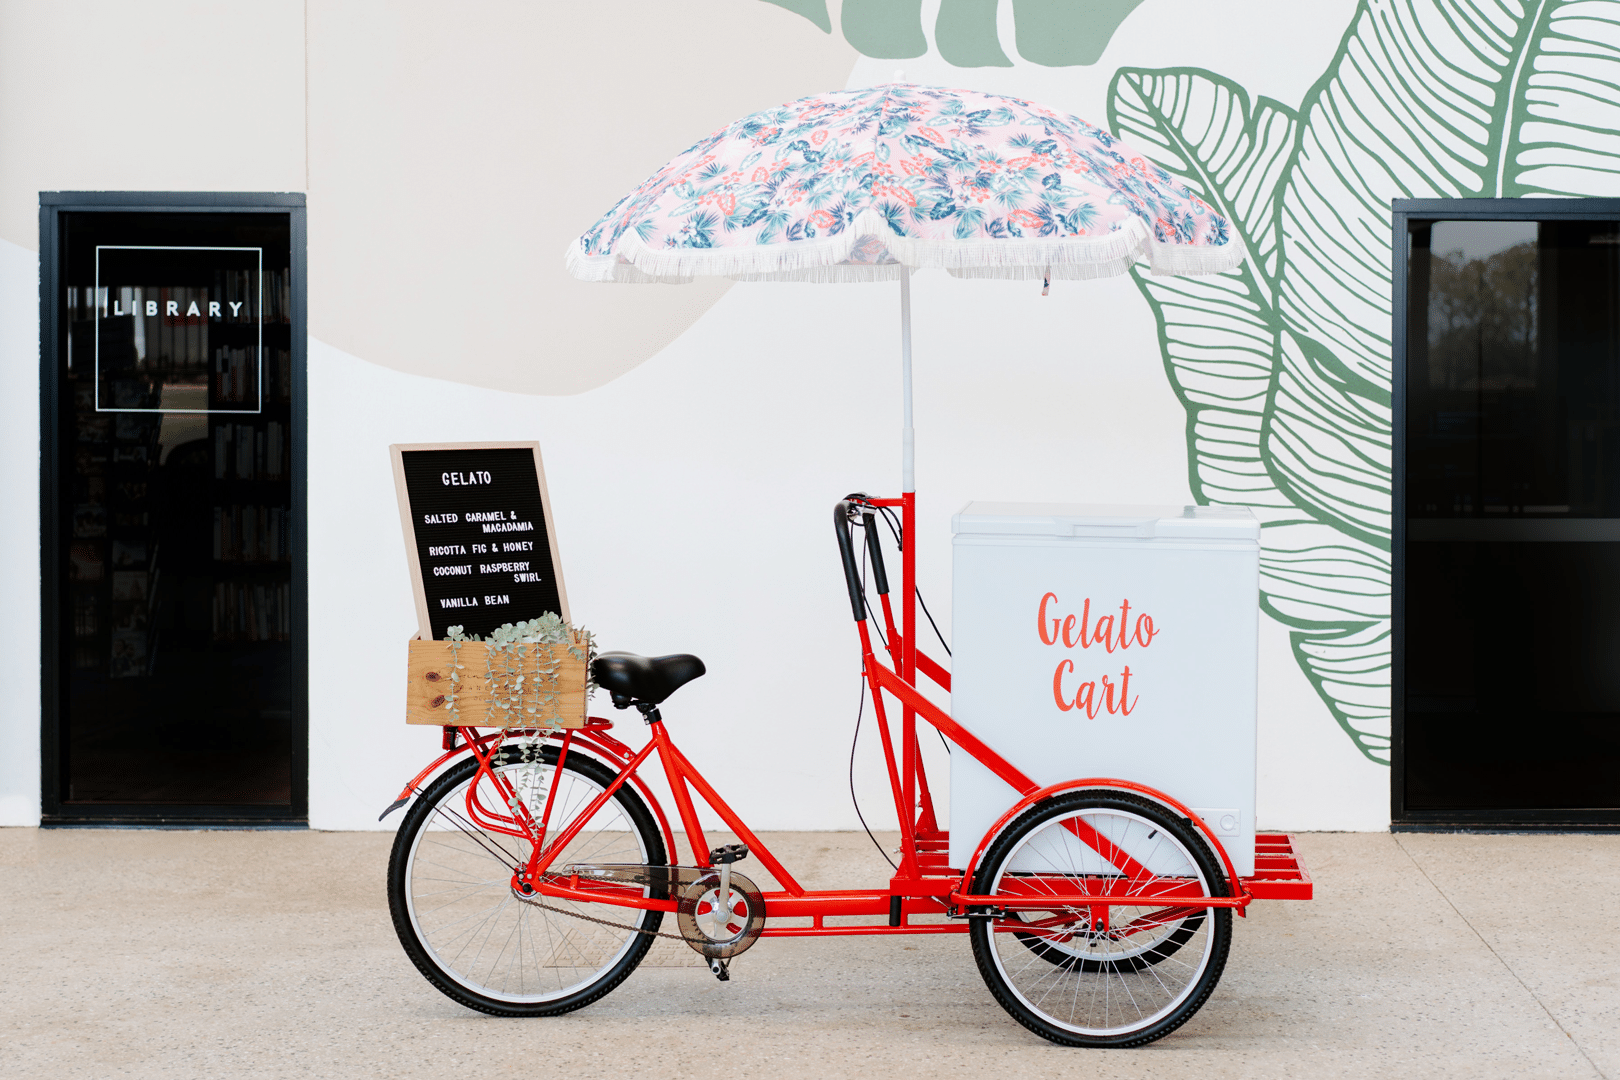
(880,576)
(846,551)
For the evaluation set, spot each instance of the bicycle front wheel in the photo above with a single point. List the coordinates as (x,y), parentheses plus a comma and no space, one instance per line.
(1117,974)
(471,935)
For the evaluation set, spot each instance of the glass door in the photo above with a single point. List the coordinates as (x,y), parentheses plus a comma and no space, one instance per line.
(173,520)
(1508,543)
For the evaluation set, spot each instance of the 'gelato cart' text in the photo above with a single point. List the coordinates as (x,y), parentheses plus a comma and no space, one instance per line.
(1108,634)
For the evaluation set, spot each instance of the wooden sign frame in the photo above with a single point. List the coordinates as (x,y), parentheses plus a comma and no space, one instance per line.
(396,452)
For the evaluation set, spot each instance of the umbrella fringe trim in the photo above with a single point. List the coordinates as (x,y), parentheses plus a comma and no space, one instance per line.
(1169,260)
(1086,271)
(823,259)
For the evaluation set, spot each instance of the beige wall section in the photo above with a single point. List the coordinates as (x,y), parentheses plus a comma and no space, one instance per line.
(455,149)
(161,96)
(452,149)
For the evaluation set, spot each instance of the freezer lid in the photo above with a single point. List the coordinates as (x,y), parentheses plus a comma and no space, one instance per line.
(1101,520)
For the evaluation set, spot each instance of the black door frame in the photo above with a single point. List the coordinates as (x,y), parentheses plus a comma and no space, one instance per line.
(1403,819)
(52,204)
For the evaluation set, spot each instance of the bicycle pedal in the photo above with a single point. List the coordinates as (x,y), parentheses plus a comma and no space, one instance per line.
(720,968)
(731,853)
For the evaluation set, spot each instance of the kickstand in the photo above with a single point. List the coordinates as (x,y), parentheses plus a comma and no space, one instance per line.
(720,969)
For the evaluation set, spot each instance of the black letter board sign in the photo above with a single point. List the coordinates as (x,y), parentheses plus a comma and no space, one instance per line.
(478,534)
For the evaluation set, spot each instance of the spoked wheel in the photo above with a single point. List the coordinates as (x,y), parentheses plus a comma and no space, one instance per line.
(1118,974)
(1065,940)
(476,939)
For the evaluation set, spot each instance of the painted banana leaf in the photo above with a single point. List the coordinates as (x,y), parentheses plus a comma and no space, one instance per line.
(1053,33)
(1285,367)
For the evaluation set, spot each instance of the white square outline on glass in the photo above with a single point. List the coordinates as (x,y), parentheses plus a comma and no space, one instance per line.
(95,300)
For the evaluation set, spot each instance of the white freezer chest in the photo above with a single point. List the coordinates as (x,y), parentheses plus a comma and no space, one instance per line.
(1107,641)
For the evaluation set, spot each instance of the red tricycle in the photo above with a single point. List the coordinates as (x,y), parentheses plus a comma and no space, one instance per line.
(534,868)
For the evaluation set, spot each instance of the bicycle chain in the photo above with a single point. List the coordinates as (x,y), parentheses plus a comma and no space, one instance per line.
(601,922)
(591,918)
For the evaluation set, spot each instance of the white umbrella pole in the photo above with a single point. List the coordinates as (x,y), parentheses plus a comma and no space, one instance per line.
(908,479)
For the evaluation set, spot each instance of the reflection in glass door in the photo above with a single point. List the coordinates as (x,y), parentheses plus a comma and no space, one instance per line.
(1509,667)
(174,518)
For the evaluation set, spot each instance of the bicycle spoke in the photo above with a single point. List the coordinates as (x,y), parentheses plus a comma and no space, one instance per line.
(472,923)
(1098,971)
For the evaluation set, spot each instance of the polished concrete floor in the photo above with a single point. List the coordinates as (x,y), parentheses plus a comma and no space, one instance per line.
(240,954)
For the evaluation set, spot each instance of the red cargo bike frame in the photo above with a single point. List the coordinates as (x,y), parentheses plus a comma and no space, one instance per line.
(923,883)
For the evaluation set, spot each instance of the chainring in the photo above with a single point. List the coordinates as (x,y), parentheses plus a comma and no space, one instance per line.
(695,915)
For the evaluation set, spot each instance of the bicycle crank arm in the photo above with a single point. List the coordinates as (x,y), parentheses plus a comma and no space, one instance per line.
(722,904)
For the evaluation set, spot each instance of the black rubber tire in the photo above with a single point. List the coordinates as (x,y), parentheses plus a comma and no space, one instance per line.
(416,817)
(1161,950)
(1219,920)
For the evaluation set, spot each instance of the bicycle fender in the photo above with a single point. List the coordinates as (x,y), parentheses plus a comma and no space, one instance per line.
(1130,786)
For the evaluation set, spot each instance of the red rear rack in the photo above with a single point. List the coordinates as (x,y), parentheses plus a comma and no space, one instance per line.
(1278,873)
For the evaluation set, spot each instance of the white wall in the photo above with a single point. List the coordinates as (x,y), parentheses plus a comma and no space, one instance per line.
(19,537)
(456,148)
(693,499)
(693,493)
(104,95)
(176,95)
(693,502)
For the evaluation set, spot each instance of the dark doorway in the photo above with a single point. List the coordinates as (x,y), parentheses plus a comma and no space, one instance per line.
(172,507)
(1507,514)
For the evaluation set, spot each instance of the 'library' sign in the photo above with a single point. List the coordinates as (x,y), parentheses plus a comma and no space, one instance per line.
(478,533)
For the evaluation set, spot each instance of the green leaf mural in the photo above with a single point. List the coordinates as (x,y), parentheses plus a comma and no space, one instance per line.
(1053,33)
(1227,353)
(1284,368)
(1062,33)
(814,10)
(891,29)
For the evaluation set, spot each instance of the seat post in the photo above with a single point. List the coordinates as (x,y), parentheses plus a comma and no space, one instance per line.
(649,712)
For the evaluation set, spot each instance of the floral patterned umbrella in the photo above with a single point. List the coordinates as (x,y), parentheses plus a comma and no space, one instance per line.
(855,184)
(862,185)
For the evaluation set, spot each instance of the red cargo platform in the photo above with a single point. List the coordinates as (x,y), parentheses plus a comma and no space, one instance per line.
(1278,873)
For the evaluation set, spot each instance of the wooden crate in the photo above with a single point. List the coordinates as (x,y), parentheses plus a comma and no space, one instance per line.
(428,687)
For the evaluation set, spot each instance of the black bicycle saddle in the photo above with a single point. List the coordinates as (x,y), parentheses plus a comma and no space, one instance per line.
(630,678)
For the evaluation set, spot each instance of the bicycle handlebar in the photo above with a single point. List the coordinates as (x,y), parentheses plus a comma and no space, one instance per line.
(846,551)
(880,576)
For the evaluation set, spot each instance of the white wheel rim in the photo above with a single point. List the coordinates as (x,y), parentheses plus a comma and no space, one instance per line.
(1073,999)
(469,924)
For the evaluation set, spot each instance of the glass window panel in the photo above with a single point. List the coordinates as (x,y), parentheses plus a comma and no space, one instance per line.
(175,429)
(1512,563)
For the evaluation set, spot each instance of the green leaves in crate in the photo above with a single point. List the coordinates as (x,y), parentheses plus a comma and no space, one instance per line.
(515,698)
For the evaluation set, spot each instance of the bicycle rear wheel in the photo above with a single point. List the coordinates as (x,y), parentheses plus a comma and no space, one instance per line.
(1118,974)
(472,936)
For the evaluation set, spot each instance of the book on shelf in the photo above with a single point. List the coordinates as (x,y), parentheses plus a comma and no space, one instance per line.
(252,612)
(244,451)
(86,618)
(252,534)
(129,585)
(85,563)
(128,654)
(222,445)
(273,450)
(252,451)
